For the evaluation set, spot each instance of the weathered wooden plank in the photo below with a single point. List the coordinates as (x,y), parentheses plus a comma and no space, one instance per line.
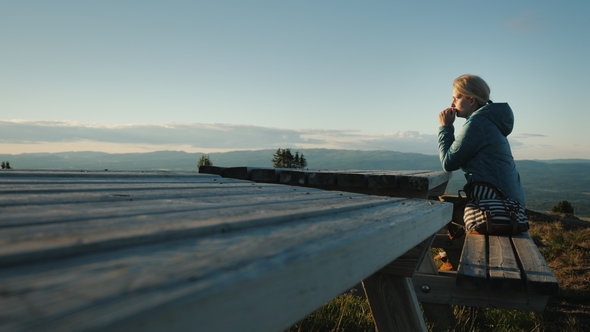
(440,316)
(71,195)
(408,263)
(413,180)
(154,203)
(502,266)
(437,191)
(539,278)
(241,172)
(393,303)
(472,271)
(224,282)
(442,289)
(319,178)
(424,181)
(351,180)
(40,187)
(392,299)
(24,181)
(110,175)
(267,175)
(293,177)
(23,244)
(387,181)
(212,170)
(71,184)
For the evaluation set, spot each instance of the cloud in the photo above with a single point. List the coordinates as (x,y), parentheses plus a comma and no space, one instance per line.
(209,137)
(525,135)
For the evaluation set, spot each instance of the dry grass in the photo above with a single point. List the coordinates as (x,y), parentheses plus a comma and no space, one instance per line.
(346,312)
(566,247)
(565,243)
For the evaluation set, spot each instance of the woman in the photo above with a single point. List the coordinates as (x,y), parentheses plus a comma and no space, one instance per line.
(481,148)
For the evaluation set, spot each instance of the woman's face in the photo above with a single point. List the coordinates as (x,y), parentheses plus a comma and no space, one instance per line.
(464,106)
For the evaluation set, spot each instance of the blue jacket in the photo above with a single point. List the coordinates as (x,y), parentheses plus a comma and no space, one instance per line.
(482,149)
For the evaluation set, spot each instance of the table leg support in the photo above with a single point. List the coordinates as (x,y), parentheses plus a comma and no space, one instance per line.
(393,303)
(441,316)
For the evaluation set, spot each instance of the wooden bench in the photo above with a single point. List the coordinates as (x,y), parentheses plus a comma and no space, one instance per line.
(507,272)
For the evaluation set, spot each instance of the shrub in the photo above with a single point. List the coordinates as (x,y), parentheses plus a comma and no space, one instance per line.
(563,207)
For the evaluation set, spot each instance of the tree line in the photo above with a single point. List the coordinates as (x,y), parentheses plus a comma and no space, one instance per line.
(283,158)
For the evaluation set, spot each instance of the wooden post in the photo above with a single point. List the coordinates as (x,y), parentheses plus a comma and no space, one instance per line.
(441,316)
(394,303)
(391,292)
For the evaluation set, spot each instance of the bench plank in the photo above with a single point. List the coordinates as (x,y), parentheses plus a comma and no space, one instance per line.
(514,263)
(539,277)
(502,266)
(442,289)
(472,271)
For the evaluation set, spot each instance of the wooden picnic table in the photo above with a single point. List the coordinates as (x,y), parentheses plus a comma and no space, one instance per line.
(495,272)
(103,250)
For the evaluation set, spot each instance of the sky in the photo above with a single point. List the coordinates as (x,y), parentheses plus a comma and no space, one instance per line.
(214,76)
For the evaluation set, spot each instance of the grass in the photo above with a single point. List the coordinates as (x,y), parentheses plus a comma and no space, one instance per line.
(566,248)
(346,312)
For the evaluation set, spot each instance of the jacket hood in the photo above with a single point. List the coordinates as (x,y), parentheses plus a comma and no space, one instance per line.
(500,114)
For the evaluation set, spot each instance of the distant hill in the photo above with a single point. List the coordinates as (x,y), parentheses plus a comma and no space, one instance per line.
(182,161)
(545,182)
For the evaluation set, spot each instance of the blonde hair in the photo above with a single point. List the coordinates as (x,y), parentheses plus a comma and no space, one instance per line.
(473,86)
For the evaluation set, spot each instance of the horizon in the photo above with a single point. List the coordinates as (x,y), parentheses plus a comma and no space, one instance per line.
(256,150)
(137,76)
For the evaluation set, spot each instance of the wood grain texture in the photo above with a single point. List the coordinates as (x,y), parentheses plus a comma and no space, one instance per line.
(503,266)
(223,255)
(352,180)
(386,181)
(442,289)
(423,180)
(268,175)
(393,303)
(242,172)
(509,263)
(290,177)
(321,178)
(473,267)
(400,183)
(79,228)
(539,278)
(407,264)
(211,170)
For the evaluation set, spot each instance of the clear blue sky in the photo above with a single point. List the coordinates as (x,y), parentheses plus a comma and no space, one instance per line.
(222,75)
